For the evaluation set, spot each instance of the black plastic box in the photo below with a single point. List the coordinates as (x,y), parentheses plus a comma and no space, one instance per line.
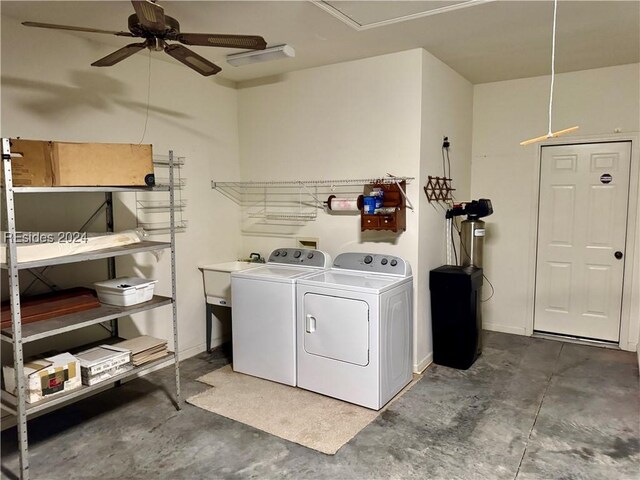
(456,315)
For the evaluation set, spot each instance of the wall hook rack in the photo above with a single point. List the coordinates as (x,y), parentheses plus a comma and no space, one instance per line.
(438,189)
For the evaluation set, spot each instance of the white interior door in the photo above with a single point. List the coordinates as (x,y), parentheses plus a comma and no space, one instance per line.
(582,223)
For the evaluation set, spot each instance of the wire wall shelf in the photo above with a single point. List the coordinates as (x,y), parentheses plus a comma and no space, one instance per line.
(161,205)
(162,182)
(161,228)
(153,210)
(164,160)
(293,200)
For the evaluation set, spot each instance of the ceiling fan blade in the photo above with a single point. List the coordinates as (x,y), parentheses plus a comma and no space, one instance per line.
(192,60)
(254,42)
(150,15)
(75,29)
(119,55)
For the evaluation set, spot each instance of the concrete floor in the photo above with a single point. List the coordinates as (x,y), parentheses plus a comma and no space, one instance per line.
(528,409)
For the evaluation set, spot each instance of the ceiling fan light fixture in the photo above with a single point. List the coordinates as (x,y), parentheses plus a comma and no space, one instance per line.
(151,24)
(273,53)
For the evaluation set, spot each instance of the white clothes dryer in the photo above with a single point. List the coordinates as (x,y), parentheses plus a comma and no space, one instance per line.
(263,319)
(355,329)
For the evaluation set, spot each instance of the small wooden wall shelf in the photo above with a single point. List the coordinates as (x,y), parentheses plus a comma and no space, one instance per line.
(395,221)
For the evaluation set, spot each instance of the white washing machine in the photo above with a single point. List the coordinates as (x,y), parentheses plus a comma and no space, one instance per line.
(263,322)
(355,329)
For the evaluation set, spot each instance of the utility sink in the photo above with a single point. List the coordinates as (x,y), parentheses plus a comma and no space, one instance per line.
(217,280)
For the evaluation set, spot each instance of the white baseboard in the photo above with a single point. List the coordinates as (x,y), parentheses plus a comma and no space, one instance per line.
(494,327)
(422,365)
(201,347)
(192,351)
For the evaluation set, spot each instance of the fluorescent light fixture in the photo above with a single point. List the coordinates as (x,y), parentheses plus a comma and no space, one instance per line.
(255,56)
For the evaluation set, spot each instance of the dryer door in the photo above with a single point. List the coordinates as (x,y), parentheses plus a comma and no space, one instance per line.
(336,328)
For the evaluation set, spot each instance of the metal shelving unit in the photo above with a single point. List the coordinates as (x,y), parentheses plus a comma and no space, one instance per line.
(18,334)
(94,255)
(10,401)
(157,188)
(66,323)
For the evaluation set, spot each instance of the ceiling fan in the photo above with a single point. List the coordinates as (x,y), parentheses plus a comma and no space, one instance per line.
(150,23)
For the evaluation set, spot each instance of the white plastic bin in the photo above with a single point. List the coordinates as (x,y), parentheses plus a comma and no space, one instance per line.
(125,291)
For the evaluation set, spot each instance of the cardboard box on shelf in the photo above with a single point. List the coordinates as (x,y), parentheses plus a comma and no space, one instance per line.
(31,163)
(45,377)
(46,163)
(93,164)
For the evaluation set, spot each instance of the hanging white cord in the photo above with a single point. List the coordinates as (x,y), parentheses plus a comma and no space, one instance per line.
(550,133)
(146,118)
(553,65)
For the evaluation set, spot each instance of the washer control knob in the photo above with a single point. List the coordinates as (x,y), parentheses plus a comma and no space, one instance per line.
(297,254)
(284,253)
(310,255)
(384,261)
(276,253)
(394,263)
(368,259)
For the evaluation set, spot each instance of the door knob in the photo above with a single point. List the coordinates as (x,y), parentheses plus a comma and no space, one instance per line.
(618,254)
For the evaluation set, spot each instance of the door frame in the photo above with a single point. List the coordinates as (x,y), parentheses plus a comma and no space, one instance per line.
(629,326)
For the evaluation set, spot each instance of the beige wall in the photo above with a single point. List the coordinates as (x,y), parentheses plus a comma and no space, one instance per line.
(359,119)
(353,120)
(346,121)
(505,113)
(50,92)
(447,101)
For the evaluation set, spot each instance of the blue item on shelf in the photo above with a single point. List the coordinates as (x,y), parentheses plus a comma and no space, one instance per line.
(369,205)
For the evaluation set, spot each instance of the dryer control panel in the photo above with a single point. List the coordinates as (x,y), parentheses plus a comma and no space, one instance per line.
(374,263)
(300,256)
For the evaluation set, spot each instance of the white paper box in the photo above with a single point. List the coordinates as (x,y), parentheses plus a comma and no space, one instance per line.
(125,291)
(102,358)
(45,377)
(103,362)
(105,374)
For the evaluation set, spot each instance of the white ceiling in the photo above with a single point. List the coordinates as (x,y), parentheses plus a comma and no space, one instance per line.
(362,15)
(484,42)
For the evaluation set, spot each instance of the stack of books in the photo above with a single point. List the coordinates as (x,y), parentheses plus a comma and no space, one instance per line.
(145,349)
